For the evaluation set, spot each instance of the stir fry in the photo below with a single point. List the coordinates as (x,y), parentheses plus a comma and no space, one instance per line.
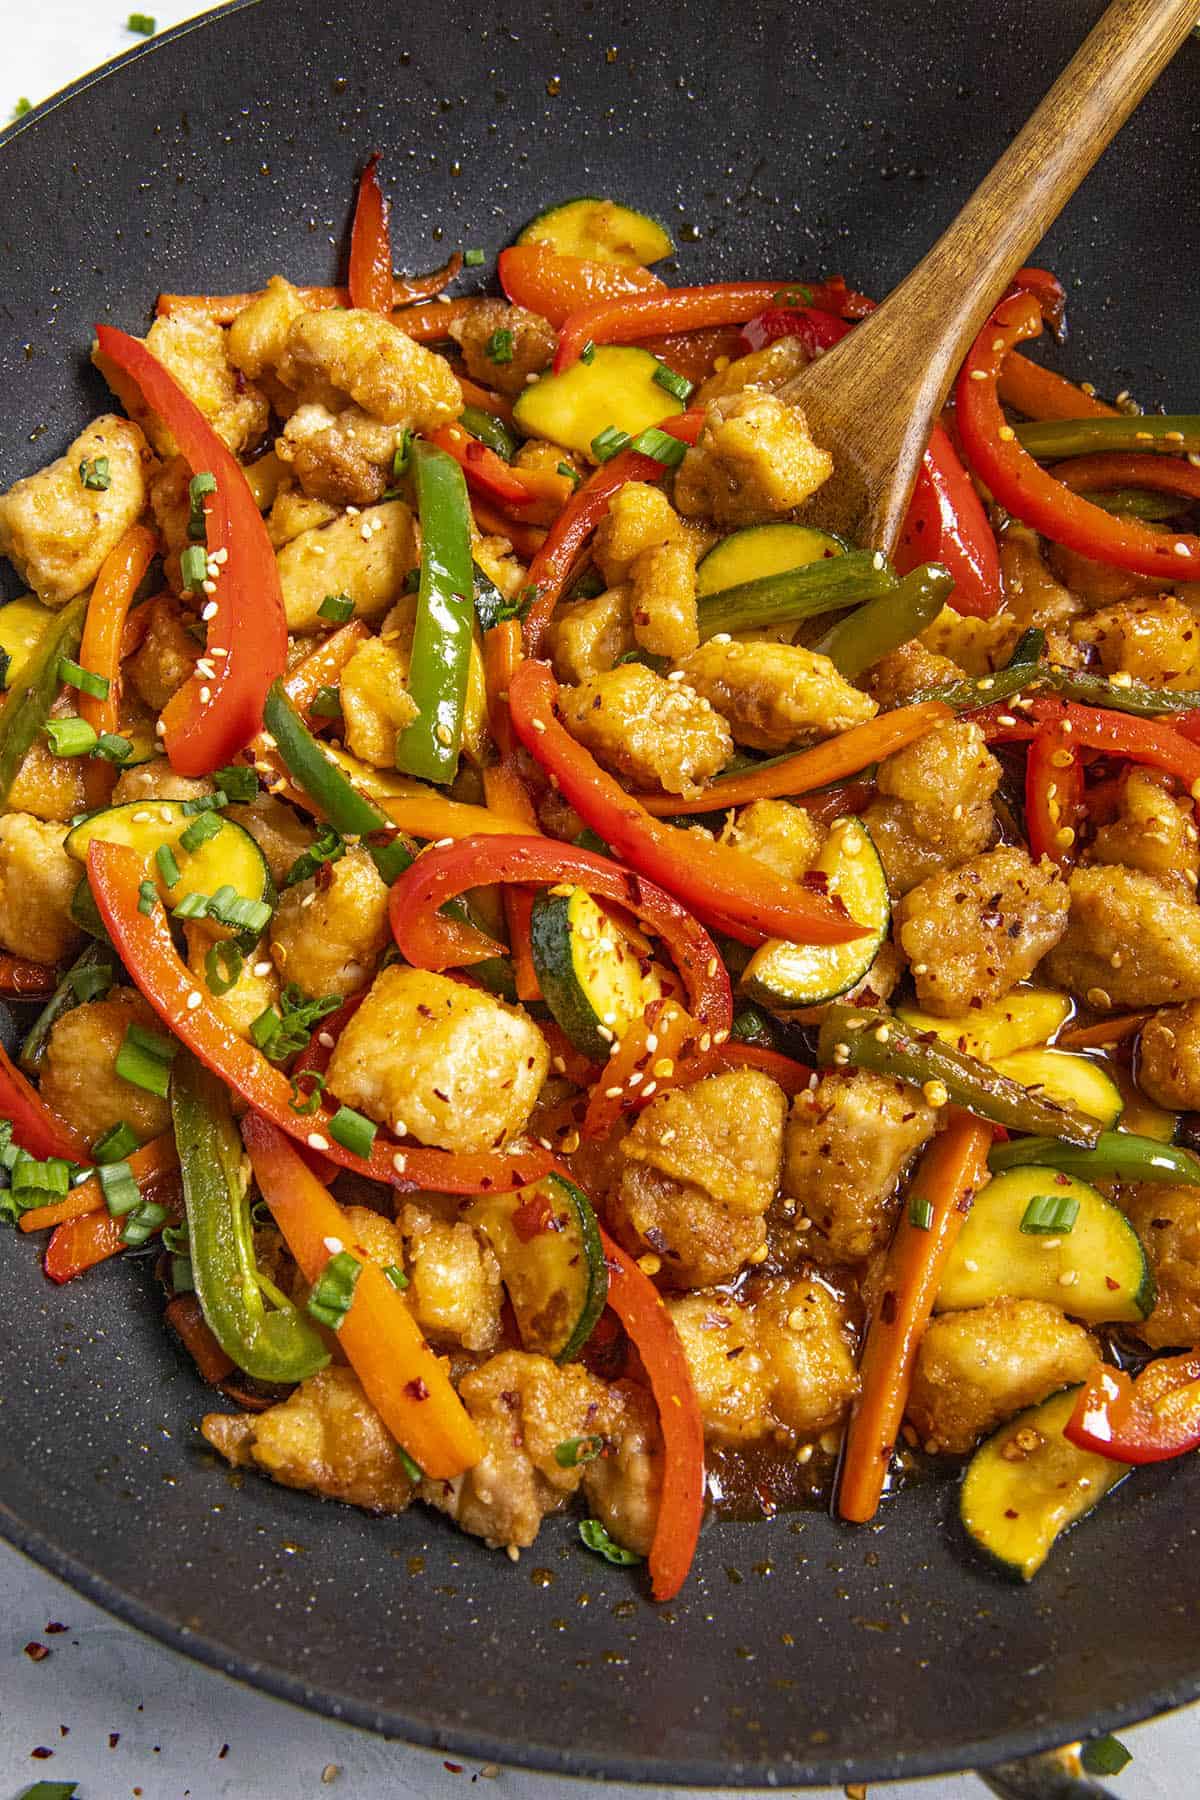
(582,986)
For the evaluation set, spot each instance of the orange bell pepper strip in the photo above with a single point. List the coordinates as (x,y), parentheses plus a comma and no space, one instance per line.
(186,1318)
(144,944)
(121,574)
(20,977)
(322,666)
(1147,1418)
(431,815)
(431,324)
(1041,394)
(223,309)
(551,568)
(371,244)
(210,719)
(639,1306)
(526,540)
(951,1170)
(834,760)
(533,492)
(153,1165)
(1031,493)
(37,1129)
(486,399)
(402,1378)
(539,278)
(79,1244)
(657,1052)
(711,878)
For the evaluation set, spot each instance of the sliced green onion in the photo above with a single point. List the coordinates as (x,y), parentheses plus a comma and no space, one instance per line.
(609,442)
(391,859)
(142,23)
(143,1223)
(573,1451)
(412,1469)
(192,906)
(89,981)
(328,847)
(337,608)
(330,1299)
(147,897)
(572,475)
(193,567)
(201,485)
(1105,1755)
(396,1276)
(920,1212)
(70,736)
(203,828)
(239,782)
(113,747)
(352,1131)
(204,803)
(168,868)
(298,1100)
(182,1279)
(118,1142)
(1049,1215)
(233,909)
(676,384)
(499,347)
(95,473)
(664,448)
(472,258)
(145,1059)
(403,455)
(47,1180)
(327,703)
(588,352)
(76,676)
(121,1192)
(222,966)
(596,1538)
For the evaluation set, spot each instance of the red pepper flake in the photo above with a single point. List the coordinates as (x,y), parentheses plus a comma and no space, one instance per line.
(114,1738)
(53,1627)
(454,1768)
(223,1752)
(37,1652)
(1111,1284)
(41,1753)
(532,1217)
(416,1389)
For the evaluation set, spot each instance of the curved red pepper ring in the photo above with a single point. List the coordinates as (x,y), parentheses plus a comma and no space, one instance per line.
(431,941)
(639,1306)
(1053,794)
(36,1129)
(1151,741)
(143,942)
(715,880)
(371,244)
(211,718)
(1030,492)
(1144,1420)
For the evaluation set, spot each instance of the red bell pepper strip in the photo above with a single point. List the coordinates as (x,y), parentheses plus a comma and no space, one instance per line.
(1144,1419)
(1117,469)
(792,1076)
(431,324)
(1041,394)
(223,309)
(210,719)
(371,244)
(1149,741)
(711,878)
(1030,492)
(658,1051)
(185,1316)
(1049,293)
(1053,795)
(682,309)
(542,280)
(36,1128)
(551,568)
(408,1386)
(79,1244)
(20,977)
(500,482)
(950,1171)
(144,944)
(429,940)
(639,1306)
(817,328)
(695,353)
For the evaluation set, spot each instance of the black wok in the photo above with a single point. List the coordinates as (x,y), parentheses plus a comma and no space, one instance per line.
(777,140)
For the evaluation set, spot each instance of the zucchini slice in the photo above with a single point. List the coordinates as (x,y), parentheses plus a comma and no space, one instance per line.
(230,856)
(1027,1484)
(617,388)
(1097,1270)
(1068,1078)
(1025,1017)
(547,1243)
(759,550)
(785,976)
(591,976)
(602,230)
(22,623)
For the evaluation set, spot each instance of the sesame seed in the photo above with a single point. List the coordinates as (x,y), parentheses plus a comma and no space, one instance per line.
(635,1078)
(721,637)
(205,695)
(334,1245)
(160,729)
(194,999)
(1064,837)
(675,675)
(1068,1278)
(264,968)
(142,818)
(608,1036)
(651,1043)
(209,610)
(970,1265)
(399,1162)
(352,512)
(209,585)
(221,556)
(649,1264)
(710,968)
(920,968)
(538,724)
(706,1041)
(881,1034)
(1181,549)
(315,1141)
(649,1089)
(804,1454)
(612,1093)
(936,1093)
(1006,434)
(877,560)
(979,375)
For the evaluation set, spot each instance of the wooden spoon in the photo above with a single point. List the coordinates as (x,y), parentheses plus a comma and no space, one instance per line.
(872,399)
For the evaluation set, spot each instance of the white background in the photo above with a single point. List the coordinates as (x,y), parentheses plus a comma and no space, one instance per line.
(173,1718)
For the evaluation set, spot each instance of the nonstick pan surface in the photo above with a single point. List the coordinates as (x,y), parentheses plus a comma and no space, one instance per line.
(774,140)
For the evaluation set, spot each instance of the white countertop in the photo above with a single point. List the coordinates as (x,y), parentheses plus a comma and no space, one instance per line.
(126,1718)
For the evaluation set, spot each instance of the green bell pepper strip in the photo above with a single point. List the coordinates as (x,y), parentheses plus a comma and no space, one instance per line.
(1053,440)
(854,1038)
(1081,685)
(27,706)
(490,430)
(831,585)
(279,1345)
(884,624)
(351,813)
(1140,503)
(62,1000)
(441,651)
(1115,1156)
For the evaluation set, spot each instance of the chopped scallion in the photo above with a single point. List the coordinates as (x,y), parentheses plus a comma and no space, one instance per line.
(676,384)
(573,1451)
(596,1538)
(145,1059)
(396,1276)
(326,703)
(588,352)
(222,966)
(121,1192)
(203,828)
(472,258)
(238,782)
(201,485)
(70,736)
(193,568)
(331,1298)
(147,897)
(95,473)
(118,1142)
(142,23)
(76,676)
(1049,1215)
(143,1223)
(328,847)
(920,1212)
(609,442)
(337,608)
(168,868)
(113,747)
(661,446)
(403,455)
(204,803)
(298,1100)
(572,475)
(354,1132)
(89,981)
(499,347)
(412,1469)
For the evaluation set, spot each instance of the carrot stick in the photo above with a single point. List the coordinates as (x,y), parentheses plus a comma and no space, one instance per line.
(223,309)
(833,760)
(120,576)
(526,540)
(1041,394)
(950,1171)
(20,977)
(322,666)
(1105,1031)
(187,1321)
(151,1166)
(80,1244)
(404,1381)
(432,816)
(497,404)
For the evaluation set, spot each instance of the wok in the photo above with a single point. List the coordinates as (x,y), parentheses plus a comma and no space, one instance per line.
(773,139)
